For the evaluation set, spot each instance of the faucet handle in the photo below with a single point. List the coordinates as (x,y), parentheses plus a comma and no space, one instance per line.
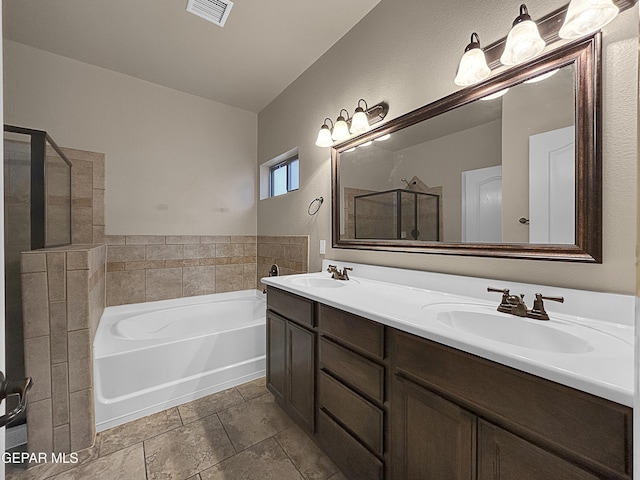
(331,268)
(505,306)
(538,312)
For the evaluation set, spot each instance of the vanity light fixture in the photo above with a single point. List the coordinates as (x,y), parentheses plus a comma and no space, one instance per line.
(360,122)
(341,130)
(524,41)
(587,16)
(346,126)
(544,76)
(498,94)
(473,66)
(324,135)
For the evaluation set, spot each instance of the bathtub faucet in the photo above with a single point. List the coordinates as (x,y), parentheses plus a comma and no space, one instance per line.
(337,274)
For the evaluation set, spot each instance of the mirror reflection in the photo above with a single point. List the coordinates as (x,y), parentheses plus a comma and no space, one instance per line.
(497,170)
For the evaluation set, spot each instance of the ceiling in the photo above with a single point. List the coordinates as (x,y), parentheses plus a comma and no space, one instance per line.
(263,47)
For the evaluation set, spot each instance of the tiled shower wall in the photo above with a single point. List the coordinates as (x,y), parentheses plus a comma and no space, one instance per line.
(142,268)
(64,292)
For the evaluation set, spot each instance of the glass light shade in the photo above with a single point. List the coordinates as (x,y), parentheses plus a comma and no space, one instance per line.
(523,43)
(473,68)
(324,137)
(359,122)
(340,130)
(587,16)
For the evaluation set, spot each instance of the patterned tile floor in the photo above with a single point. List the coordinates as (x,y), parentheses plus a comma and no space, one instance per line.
(237,434)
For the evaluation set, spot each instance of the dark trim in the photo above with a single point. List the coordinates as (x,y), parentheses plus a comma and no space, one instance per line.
(585,53)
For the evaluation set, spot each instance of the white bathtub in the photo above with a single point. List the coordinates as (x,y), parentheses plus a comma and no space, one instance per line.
(152,356)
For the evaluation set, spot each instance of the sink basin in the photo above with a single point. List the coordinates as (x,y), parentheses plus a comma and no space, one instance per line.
(317,282)
(484,321)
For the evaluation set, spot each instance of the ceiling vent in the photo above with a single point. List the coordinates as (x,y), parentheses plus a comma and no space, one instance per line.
(215,11)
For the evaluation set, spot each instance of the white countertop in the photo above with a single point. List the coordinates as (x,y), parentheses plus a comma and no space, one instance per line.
(605,370)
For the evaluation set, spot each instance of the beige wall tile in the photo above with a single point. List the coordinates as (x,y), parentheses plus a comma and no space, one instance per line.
(37,362)
(78,299)
(200,251)
(58,325)
(144,265)
(60,394)
(34,262)
(97,258)
(131,253)
(98,234)
(229,250)
(80,360)
(82,420)
(98,207)
(145,240)
(164,252)
(189,262)
(250,250)
(96,305)
(125,287)
(62,439)
(82,179)
(162,284)
(35,302)
(56,276)
(299,240)
(78,260)
(229,278)
(82,224)
(115,239)
(250,276)
(243,239)
(215,239)
(40,427)
(99,172)
(198,281)
(294,253)
(182,239)
(115,266)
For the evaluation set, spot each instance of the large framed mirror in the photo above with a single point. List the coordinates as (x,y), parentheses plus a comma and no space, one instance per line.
(510,167)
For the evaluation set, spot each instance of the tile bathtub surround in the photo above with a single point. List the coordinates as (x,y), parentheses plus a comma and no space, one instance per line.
(196,441)
(290,253)
(145,268)
(63,299)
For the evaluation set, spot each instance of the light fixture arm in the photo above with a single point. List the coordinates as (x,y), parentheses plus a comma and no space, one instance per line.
(474,43)
(524,15)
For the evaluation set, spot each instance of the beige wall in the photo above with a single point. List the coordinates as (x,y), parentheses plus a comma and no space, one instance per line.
(177,164)
(406,53)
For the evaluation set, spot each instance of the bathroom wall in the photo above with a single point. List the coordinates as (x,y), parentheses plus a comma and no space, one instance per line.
(64,297)
(290,253)
(178,164)
(406,53)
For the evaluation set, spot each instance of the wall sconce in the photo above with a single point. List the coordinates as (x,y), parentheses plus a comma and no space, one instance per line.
(473,66)
(587,16)
(345,126)
(341,129)
(524,41)
(324,135)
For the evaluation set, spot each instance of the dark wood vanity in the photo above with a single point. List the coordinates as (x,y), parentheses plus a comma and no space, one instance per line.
(383,403)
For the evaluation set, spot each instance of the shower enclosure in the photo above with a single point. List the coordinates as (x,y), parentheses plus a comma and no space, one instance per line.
(397,214)
(37,214)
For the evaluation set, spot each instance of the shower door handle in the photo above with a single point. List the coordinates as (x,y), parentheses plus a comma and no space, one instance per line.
(14,388)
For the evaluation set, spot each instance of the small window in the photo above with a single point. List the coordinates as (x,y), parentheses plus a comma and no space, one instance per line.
(283,177)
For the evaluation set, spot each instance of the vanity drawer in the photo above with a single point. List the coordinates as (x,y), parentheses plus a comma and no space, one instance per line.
(352,330)
(361,417)
(360,373)
(290,306)
(574,424)
(349,455)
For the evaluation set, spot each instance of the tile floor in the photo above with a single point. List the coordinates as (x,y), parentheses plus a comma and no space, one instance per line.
(237,434)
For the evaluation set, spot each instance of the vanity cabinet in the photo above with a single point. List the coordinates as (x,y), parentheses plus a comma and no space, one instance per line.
(386,404)
(291,347)
(451,410)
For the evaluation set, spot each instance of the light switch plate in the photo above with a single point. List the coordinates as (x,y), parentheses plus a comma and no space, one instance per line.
(323,247)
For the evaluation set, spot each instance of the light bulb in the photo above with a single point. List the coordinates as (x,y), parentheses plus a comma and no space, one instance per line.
(324,137)
(340,130)
(359,122)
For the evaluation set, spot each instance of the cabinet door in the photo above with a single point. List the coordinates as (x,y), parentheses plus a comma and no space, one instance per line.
(432,438)
(301,360)
(503,456)
(276,356)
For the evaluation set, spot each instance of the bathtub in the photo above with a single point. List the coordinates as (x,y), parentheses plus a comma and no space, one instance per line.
(152,356)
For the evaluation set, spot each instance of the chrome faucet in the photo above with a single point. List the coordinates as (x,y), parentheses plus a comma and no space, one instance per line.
(337,274)
(511,304)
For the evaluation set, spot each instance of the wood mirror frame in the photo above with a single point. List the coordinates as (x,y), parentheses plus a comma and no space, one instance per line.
(585,55)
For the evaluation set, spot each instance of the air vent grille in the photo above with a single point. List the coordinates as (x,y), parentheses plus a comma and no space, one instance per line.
(215,11)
